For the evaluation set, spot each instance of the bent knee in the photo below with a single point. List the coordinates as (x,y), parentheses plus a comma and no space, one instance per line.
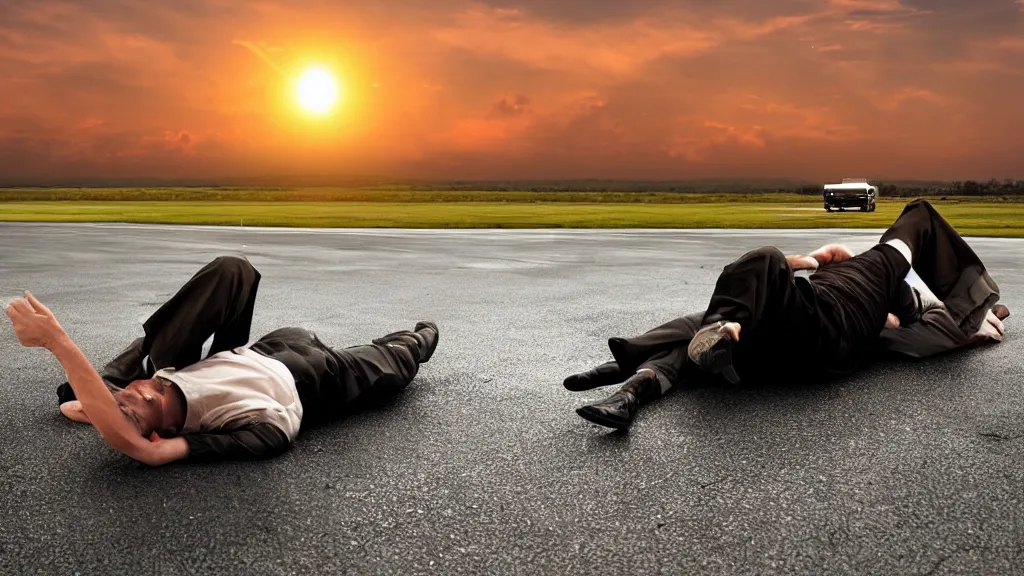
(763,258)
(234,265)
(770,254)
(920,204)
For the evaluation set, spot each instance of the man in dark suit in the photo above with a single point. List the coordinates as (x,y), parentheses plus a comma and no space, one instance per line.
(950,302)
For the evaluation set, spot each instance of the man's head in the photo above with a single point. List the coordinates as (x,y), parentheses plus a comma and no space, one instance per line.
(151,406)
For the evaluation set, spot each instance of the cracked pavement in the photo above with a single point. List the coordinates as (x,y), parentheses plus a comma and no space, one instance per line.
(482,467)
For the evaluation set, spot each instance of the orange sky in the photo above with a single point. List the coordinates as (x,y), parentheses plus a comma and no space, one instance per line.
(644,89)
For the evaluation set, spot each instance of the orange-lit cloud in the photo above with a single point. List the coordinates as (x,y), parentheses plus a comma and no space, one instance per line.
(514,88)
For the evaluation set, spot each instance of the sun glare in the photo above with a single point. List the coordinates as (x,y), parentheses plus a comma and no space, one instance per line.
(317,91)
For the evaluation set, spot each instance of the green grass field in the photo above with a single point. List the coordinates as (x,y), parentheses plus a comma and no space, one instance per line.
(338,194)
(408,209)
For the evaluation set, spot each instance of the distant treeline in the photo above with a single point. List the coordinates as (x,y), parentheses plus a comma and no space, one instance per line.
(358,189)
(375,195)
(992,187)
(720,185)
(897,189)
(717,186)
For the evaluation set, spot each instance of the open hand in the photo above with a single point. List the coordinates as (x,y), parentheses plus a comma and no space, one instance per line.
(34,324)
(892,322)
(992,327)
(799,262)
(832,253)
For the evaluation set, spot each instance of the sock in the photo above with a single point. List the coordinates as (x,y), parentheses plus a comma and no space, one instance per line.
(914,280)
(663,382)
(903,248)
(928,298)
(207,346)
(645,386)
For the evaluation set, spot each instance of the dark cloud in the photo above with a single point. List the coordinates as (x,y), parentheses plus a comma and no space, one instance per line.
(955,6)
(583,11)
(588,11)
(510,107)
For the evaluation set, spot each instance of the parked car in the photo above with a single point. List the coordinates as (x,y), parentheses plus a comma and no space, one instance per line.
(852,193)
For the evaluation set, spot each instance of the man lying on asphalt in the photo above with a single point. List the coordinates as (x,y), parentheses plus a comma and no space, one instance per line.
(159,401)
(958,300)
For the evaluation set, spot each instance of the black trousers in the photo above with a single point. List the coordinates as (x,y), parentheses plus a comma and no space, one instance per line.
(672,364)
(810,327)
(219,301)
(792,328)
(953,272)
(332,382)
(941,258)
(946,263)
(662,349)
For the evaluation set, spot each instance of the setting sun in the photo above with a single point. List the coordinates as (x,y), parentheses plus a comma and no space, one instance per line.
(317,90)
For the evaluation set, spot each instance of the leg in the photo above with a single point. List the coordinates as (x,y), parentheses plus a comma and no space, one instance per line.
(332,382)
(933,334)
(939,253)
(759,293)
(937,333)
(854,298)
(651,381)
(668,368)
(946,264)
(649,363)
(604,375)
(630,353)
(218,300)
(756,288)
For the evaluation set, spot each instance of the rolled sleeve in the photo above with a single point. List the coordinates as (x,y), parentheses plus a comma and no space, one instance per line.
(253,442)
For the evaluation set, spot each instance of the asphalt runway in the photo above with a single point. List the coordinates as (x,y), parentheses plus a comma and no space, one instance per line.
(482,466)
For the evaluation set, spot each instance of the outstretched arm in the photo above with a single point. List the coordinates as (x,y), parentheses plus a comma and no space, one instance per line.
(36,327)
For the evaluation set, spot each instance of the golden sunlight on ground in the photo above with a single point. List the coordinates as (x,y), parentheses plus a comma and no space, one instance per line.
(317,90)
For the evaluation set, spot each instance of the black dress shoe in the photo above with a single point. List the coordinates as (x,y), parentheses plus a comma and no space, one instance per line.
(429,331)
(422,340)
(615,411)
(65,393)
(603,375)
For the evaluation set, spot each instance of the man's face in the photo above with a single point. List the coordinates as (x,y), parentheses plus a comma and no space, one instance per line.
(143,402)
